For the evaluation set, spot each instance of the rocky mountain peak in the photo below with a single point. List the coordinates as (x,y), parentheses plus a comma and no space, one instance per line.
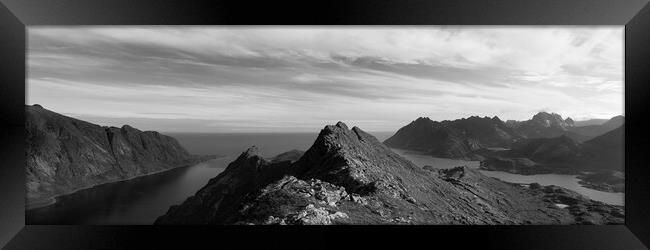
(548,119)
(546,125)
(352,158)
(422,120)
(248,160)
(250,152)
(341,125)
(570,122)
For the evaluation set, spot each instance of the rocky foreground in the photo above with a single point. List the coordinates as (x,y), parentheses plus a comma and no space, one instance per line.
(64,154)
(348,177)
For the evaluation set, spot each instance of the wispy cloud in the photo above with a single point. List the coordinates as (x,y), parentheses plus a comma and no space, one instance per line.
(301,78)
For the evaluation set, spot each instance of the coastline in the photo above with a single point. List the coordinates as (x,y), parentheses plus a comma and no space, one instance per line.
(44,202)
(597,184)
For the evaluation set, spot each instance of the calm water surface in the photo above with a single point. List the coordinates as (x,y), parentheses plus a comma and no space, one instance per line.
(133,202)
(141,200)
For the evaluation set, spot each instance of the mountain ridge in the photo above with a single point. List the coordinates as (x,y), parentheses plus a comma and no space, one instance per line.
(453,139)
(65,154)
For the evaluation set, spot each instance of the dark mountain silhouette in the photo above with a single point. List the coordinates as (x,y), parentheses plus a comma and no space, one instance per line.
(64,154)
(453,139)
(349,177)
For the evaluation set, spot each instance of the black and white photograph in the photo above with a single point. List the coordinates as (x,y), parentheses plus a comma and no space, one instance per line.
(324,125)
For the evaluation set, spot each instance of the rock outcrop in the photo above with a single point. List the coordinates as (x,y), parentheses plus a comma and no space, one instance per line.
(458,139)
(64,154)
(349,177)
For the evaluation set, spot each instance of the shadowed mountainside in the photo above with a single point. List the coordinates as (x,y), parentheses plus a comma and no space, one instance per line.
(349,177)
(64,154)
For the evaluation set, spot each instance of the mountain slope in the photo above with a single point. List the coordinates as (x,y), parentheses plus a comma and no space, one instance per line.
(592,131)
(64,154)
(453,139)
(561,155)
(349,177)
(604,152)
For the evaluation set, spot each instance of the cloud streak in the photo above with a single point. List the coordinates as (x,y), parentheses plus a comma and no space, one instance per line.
(224,79)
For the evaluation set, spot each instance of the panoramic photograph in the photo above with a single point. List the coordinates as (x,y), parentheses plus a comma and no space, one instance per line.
(325,125)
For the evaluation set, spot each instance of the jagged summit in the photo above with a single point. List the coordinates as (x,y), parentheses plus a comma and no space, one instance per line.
(341,125)
(252,151)
(549,119)
(547,125)
(348,153)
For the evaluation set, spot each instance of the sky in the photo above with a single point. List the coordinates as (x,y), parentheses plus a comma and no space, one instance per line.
(218,79)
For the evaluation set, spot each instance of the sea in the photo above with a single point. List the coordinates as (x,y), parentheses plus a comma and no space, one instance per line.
(141,200)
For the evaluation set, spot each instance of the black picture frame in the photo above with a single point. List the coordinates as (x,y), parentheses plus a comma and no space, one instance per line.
(16,15)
